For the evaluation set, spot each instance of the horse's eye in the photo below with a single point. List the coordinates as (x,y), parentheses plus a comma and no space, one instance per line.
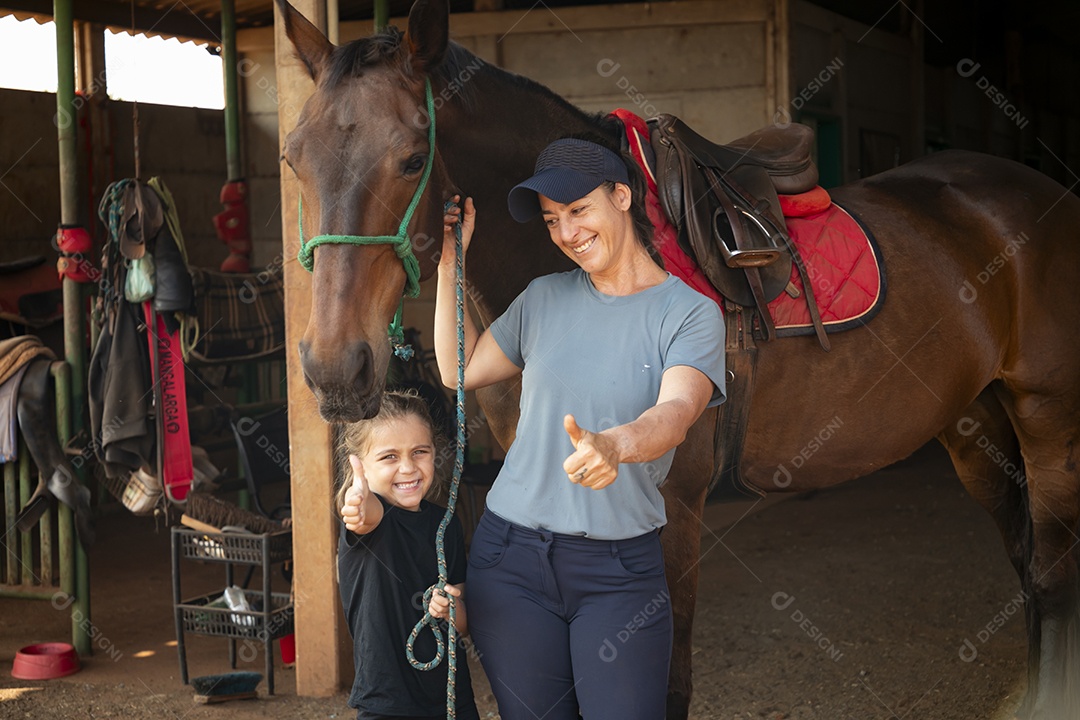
(415,164)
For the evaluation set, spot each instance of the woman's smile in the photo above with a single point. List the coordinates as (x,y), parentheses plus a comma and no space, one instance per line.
(584,247)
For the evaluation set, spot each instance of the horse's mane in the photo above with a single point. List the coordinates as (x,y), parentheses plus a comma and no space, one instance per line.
(352,58)
(457,67)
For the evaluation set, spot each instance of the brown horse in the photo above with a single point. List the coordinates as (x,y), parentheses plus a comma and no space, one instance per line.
(976,343)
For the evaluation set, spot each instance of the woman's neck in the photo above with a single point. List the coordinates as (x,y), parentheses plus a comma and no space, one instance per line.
(632,274)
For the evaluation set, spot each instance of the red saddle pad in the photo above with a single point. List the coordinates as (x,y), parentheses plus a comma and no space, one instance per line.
(843,262)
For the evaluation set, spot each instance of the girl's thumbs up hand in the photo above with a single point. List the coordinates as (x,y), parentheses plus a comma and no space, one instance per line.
(352,513)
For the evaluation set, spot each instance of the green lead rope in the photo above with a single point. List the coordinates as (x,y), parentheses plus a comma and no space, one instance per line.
(440,549)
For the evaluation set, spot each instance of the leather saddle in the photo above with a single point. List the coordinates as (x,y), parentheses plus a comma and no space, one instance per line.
(723,202)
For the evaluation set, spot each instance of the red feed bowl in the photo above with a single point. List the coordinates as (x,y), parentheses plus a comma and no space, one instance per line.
(45,661)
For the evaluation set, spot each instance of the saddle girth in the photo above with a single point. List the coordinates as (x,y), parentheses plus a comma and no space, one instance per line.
(732,417)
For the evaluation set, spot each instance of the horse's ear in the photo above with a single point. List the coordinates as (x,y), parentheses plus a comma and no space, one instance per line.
(311,45)
(429,33)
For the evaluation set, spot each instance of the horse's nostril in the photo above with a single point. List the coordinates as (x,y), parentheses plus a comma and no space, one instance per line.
(305,363)
(365,373)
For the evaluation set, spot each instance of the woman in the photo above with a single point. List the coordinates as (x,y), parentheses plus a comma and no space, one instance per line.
(568,600)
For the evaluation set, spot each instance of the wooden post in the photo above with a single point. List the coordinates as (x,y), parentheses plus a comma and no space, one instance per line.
(318,611)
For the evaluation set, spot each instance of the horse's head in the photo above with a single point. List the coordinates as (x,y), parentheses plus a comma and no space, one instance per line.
(359,150)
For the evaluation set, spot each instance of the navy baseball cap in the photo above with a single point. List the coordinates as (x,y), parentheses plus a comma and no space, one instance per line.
(567,170)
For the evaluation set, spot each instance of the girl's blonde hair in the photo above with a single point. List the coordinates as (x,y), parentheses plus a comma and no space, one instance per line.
(356,438)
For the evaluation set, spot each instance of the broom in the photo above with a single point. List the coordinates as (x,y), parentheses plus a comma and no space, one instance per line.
(207,513)
(230,686)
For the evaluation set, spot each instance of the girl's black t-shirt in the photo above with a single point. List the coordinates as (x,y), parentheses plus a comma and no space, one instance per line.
(383,576)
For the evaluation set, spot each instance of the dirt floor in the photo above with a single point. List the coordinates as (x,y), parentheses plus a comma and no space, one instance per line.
(849,604)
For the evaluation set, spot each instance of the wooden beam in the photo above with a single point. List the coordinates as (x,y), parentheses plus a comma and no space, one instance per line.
(587,18)
(319,617)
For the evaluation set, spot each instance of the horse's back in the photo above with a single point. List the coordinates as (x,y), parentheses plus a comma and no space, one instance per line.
(998,236)
(988,214)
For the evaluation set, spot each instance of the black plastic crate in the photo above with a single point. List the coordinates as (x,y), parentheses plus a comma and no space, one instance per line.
(234,547)
(202,617)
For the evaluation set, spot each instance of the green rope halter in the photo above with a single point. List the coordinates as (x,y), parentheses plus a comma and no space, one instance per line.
(401,242)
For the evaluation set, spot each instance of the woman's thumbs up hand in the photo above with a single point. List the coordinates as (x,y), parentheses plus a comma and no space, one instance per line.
(595,461)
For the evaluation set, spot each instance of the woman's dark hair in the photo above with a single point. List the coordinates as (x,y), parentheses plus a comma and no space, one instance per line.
(356,437)
(643,227)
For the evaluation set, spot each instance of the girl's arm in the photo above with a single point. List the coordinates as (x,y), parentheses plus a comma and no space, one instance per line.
(485,362)
(439,607)
(362,511)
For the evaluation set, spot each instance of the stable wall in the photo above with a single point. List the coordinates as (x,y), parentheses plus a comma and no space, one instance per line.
(889,107)
(864,85)
(185,146)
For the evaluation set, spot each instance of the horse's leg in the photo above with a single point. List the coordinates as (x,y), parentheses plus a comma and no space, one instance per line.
(986,454)
(684,498)
(1045,420)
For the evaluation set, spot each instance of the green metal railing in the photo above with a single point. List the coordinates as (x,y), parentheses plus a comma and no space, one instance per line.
(71,378)
(43,564)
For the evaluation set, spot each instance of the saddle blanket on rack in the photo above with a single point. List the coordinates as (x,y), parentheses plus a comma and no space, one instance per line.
(16,354)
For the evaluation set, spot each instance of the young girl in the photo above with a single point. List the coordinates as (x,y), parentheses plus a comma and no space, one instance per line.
(386,560)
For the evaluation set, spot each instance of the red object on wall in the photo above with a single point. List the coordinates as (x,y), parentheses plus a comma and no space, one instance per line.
(74,245)
(233,227)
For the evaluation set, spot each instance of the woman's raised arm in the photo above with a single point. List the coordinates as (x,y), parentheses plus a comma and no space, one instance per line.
(485,362)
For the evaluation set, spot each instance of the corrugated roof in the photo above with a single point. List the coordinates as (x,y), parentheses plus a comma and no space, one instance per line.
(190,19)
